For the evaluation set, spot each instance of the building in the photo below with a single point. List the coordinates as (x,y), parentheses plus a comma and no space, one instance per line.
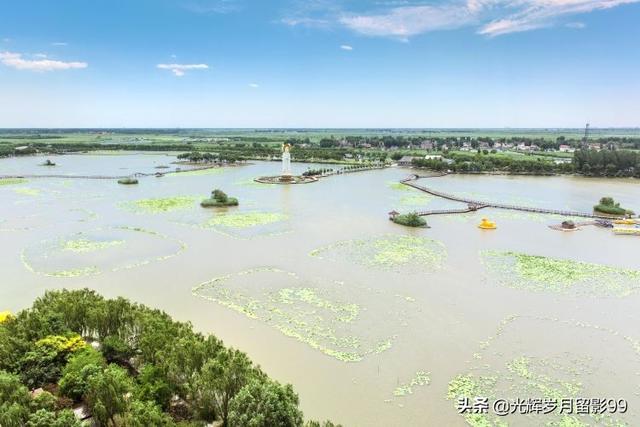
(406,160)
(426,145)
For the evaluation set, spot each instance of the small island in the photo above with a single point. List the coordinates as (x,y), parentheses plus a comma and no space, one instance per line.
(127,181)
(48,163)
(219,199)
(609,206)
(411,219)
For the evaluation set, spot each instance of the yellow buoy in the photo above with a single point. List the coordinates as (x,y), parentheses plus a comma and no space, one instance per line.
(485,224)
(4,316)
(626,221)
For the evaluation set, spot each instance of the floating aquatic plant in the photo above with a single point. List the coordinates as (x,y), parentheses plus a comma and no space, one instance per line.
(545,366)
(82,254)
(85,245)
(538,273)
(421,378)
(391,252)
(245,219)
(416,200)
(12,181)
(26,191)
(161,205)
(318,314)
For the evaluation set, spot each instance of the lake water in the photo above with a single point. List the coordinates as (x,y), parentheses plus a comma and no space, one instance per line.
(370,321)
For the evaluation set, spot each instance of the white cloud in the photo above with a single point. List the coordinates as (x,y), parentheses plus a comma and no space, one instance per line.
(59,44)
(543,13)
(576,25)
(404,22)
(405,19)
(179,69)
(254,85)
(307,22)
(15,60)
(346,47)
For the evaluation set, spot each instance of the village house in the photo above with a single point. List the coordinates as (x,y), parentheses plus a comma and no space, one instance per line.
(426,145)
(406,160)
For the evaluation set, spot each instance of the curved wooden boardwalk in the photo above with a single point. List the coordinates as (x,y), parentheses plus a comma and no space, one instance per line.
(477,204)
(135,175)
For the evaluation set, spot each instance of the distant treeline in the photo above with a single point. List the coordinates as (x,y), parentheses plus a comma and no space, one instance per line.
(621,163)
(610,163)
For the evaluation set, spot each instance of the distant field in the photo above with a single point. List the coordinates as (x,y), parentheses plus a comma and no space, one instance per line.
(154,136)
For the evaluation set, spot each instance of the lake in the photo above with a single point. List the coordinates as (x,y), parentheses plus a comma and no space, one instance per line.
(374,324)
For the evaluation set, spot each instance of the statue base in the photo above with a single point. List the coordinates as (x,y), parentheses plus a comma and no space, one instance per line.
(286,179)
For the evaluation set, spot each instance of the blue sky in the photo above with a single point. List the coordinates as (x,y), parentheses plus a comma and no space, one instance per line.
(319,63)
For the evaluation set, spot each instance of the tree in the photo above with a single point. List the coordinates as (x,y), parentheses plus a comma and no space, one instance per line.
(265,403)
(152,386)
(80,368)
(14,401)
(45,418)
(107,395)
(219,196)
(144,414)
(219,381)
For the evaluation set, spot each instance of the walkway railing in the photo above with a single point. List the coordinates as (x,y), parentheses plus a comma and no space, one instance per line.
(478,204)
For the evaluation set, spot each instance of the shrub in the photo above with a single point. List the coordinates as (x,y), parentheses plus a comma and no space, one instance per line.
(410,220)
(127,181)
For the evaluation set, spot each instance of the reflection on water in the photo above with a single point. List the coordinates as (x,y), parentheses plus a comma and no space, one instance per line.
(413,314)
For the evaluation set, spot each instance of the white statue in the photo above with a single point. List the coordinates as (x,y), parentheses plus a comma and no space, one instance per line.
(286,160)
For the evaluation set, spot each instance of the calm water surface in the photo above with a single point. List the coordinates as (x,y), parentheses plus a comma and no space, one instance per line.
(447,322)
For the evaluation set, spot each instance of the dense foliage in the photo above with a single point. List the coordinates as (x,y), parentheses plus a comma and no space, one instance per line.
(131,366)
(411,219)
(219,198)
(607,163)
(609,206)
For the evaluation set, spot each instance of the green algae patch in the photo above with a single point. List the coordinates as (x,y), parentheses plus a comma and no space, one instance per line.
(420,379)
(565,365)
(245,219)
(12,181)
(388,252)
(97,251)
(328,316)
(26,191)
(85,245)
(415,200)
(161,205)
(539,273)
(398,186)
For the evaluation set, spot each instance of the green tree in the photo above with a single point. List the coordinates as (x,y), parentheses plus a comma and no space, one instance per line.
(219,381)
(265,403)
(144,414)
(107,395)
(80,368)
(14,401)
(45,418)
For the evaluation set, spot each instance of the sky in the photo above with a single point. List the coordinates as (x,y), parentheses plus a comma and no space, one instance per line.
(320,63)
